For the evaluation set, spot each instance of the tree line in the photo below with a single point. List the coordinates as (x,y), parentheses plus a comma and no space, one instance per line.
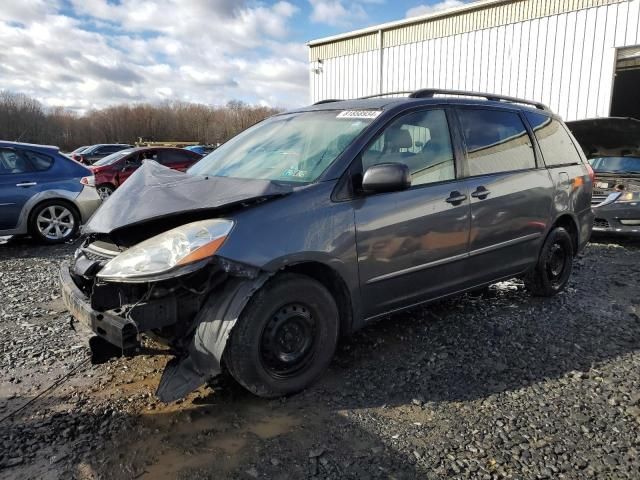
(25,119)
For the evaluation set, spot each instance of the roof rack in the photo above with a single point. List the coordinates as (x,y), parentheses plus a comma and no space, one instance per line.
(328,100)
(430,92)
(402,92)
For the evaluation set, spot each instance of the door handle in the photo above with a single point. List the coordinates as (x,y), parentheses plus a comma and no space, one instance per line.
(481,193)
(455,198)
(26,184)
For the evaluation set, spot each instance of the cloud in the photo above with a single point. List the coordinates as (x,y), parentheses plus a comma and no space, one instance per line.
(435,7)
(85,54)
(334,13)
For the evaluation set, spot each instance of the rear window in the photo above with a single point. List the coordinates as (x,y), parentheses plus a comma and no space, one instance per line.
(496,141)
(555,143)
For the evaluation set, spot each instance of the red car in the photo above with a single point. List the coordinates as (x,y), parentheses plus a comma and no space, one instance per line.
(111,171)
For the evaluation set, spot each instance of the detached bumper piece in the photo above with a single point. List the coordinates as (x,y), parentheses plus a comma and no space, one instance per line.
(117,331)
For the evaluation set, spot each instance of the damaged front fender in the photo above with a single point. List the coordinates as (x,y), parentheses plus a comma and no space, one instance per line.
(212,327)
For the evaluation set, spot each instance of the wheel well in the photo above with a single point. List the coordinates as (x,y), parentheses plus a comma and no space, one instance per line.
(48,200)
(333,282)
(569,224)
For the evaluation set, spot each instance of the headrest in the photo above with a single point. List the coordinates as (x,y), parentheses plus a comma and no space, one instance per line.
(398,138)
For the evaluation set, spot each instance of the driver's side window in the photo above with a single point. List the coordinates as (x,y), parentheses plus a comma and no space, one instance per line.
(420,140)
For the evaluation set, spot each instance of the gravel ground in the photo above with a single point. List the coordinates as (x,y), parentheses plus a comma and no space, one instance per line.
(493,386)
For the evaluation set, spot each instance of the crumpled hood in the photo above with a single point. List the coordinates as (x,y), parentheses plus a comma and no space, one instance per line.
(607,137)
(155,192)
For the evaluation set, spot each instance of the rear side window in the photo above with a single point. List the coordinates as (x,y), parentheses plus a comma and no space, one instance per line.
(12,163)
(108,149)
(496,141)
(170,157)
(555,143)
(40,161)
(148,155)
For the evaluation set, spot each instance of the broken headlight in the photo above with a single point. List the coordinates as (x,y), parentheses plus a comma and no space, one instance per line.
(173,253)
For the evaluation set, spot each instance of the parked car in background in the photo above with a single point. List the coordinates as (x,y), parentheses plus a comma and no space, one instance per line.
(76,153)
(200,149)
(93,153)
(43,193)
(114,169)
(314,222)
(613,148)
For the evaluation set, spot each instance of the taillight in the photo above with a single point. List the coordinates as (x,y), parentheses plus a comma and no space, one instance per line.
(89,181)
(592,174)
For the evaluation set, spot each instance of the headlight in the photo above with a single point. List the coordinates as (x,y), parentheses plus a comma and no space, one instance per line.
(170,254)
(628,197)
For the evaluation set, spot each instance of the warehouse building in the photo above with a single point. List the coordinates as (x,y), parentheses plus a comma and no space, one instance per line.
(580,57)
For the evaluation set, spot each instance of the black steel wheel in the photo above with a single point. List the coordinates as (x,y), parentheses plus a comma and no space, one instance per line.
(285,337)
(555,263)
(288,340)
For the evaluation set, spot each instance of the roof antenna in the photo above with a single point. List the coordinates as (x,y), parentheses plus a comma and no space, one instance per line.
(23,132)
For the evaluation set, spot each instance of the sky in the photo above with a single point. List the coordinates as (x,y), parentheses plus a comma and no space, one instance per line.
(86,54)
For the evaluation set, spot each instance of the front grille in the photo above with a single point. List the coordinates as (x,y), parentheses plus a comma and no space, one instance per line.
(96,257)
(601,223)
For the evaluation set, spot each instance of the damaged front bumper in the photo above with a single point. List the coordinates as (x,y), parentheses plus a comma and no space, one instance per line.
(193,315)
(617,219)
(119,332)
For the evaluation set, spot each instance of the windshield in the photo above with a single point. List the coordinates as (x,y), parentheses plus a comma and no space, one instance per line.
(616,164)
(295,147)
(111,159)
(80,149)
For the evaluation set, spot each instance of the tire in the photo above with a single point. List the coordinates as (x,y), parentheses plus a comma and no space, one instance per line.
(105,190)
(285,338)
(553,269)
(54,221)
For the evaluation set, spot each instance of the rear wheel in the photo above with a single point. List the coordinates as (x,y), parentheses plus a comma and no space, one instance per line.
(553,269)
(285,338)
(105,191)
(54,221)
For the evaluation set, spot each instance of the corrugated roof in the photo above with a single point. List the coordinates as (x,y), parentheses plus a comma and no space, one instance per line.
(471,17)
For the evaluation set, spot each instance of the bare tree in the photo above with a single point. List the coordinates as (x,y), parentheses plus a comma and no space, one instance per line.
(24,119)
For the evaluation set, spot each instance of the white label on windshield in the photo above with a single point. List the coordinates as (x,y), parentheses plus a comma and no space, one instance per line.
(359,114)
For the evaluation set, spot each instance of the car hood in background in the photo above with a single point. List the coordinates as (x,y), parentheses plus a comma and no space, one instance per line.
(607,137)
(168,197)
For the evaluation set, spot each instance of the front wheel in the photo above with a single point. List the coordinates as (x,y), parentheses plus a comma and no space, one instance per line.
(285,338)
(553,269)
(105,191)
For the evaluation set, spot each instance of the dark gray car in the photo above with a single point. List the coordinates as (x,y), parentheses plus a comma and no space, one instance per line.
(93,153)
(315,222)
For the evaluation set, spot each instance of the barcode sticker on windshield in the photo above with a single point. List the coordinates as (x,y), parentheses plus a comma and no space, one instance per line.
(359,114)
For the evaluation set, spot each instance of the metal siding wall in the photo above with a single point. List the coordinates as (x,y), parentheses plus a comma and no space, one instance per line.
(565,60)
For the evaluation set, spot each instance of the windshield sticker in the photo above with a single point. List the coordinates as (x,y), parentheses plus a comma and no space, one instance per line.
(368,114)
(294,172)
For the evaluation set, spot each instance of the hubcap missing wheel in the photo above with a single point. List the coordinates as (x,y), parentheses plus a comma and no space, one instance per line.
(288,340)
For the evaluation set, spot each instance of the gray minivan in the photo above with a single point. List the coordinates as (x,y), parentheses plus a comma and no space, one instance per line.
(312,223)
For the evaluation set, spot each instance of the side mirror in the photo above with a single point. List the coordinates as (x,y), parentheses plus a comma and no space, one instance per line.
(386,177)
